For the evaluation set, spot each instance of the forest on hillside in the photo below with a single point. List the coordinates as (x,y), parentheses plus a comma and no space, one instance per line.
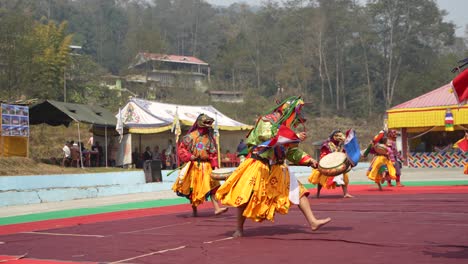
(347,60)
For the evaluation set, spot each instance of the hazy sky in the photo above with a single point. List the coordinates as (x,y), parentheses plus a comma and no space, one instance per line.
(457,10)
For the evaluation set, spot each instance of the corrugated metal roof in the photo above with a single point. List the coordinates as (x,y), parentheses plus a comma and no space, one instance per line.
(442,96)
(172,58)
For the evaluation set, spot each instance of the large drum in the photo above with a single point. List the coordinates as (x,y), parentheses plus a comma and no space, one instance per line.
(381,149)
(334,164)
(221,174)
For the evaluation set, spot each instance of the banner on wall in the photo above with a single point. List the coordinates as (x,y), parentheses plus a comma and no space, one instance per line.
(15,120)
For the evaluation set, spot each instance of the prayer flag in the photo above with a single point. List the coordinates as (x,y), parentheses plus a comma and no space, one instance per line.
(448,120)
(176,126)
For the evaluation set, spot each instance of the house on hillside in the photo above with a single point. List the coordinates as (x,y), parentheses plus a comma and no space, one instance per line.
(168,71)
(226,96)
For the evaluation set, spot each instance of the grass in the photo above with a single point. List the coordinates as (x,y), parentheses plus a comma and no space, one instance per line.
(14,166)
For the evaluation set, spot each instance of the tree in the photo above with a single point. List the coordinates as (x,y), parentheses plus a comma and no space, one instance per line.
(14,54)
(410,33)
(50,56)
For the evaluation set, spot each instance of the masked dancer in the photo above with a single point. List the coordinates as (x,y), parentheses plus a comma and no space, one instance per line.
(334,143)
(198,150)
(262,185)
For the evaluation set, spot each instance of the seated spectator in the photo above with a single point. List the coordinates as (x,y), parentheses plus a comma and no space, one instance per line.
(66,155)
(75,155)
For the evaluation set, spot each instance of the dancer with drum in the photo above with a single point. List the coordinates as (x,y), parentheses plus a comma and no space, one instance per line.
(262,185)
(381,168)
(198,150)
(334,144)
(394,156)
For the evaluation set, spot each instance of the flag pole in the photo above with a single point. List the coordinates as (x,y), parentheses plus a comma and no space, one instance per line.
(217,139)
(177,137)
(177,131)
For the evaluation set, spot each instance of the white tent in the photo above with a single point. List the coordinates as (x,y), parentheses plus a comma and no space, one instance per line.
(149,124)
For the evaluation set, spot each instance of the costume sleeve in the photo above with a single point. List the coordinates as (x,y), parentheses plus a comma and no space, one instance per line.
(297,156)
(324,151)
(213,154)
(214,160)
(263,131)
(183,149)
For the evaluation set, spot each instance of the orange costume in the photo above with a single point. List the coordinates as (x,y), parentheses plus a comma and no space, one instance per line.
(198,151)
(262,183)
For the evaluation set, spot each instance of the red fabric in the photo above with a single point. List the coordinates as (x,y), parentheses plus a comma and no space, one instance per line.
(324,151)
(460,85)
(463,144)
(305,160)
(184,153)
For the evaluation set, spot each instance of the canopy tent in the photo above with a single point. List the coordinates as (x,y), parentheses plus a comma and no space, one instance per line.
(147,117)
(56,113)
(152,121)
(424,120)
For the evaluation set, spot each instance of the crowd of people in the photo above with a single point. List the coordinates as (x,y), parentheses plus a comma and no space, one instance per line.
(167,156)
(76,154)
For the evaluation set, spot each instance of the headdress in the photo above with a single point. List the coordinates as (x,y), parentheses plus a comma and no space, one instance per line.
(290,110)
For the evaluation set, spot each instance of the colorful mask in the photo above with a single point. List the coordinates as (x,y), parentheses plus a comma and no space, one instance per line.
(337,136)
(392,134)
(204,121)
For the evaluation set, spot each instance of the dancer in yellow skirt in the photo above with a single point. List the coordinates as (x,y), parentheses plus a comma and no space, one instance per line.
(198,151)
(335,143)
(262,184)
(381,168)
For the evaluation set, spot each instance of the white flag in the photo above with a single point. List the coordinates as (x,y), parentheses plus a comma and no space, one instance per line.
(176,126)
(119,126)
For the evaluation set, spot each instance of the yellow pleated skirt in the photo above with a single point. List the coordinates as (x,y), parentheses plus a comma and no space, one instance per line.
(325,181)
(375,172)
(195,183)
(465,169)
(262,189)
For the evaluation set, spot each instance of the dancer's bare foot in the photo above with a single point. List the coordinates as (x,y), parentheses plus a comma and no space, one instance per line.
(194,211)
(399,185)
(221,211)
(380,186)
(238,233)
(319,223)
(348,196)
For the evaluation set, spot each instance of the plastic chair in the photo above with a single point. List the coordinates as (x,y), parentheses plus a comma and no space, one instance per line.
(75,157)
